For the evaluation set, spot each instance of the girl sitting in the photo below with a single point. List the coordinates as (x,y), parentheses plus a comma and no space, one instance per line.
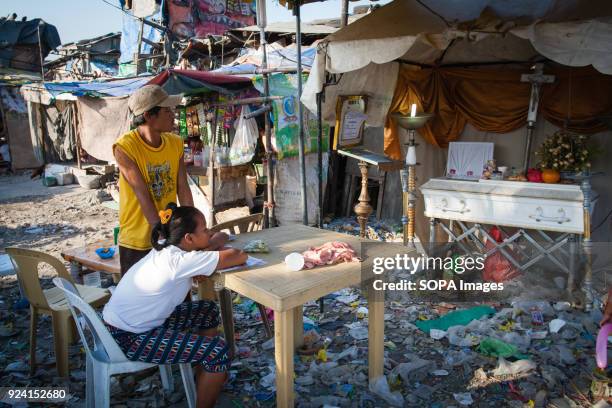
(146,314)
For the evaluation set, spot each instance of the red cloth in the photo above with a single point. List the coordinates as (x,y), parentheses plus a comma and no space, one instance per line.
(329,253)
(496,267)
(203,76)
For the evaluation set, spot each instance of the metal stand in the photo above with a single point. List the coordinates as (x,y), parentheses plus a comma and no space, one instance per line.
(587,245)
(408,177)
(363,209)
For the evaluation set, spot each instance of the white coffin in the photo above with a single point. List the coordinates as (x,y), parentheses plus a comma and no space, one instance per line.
(548,207)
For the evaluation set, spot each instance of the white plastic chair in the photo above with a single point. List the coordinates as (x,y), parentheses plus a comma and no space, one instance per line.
(105,358)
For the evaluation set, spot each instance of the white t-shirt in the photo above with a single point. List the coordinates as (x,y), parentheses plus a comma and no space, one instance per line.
(148,293)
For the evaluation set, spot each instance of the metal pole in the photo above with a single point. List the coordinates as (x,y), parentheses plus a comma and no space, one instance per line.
(345,13)
(298,40)
(320,159)
(269,220)
(42,67)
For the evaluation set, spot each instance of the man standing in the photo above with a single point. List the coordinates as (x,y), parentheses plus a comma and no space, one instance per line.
(152,172)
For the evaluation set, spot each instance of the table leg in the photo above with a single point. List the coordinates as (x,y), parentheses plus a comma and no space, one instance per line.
(76,271)
(376,332)
(206,290)
(227,319)
(298,327)
(283,354)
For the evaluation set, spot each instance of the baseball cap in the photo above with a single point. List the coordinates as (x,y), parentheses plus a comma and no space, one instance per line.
(150,96)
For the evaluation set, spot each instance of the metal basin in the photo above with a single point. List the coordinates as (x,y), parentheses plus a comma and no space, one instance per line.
(415,122)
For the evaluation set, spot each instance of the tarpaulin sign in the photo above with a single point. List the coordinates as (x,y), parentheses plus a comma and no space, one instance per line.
(199,18)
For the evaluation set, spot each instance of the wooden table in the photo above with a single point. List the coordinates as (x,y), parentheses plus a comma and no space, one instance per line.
(86,257)
(284,291)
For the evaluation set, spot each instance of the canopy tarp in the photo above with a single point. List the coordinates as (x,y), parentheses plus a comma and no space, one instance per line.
(439,35)
(177,81)
(279,57)
(46,92)
(26,33)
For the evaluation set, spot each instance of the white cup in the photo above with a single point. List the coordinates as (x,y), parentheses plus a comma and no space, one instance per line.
(295,261)
(503,169)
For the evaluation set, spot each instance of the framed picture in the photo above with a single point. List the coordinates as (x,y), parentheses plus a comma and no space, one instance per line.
(350,120)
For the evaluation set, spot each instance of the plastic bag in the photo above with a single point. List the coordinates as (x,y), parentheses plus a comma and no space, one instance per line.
(256,246)
(245,139)
(496,267)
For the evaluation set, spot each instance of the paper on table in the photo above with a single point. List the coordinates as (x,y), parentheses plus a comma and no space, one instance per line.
(250,263)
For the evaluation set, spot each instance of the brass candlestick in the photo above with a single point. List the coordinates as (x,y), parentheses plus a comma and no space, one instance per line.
(408,175)
(363,209)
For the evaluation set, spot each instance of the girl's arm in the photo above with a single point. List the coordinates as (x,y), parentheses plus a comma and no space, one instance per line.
(217,241)
(231,257)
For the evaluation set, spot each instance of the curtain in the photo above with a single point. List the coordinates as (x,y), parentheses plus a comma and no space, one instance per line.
(494,100)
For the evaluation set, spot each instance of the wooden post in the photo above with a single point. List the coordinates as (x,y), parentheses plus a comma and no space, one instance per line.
(139,47)
(345,13)
(77,136)
(363,209)
(211,167)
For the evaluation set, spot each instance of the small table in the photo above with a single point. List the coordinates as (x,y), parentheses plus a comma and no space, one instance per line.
(86,257)
(284,291)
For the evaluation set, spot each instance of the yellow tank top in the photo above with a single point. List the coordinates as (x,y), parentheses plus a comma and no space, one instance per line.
(159,168)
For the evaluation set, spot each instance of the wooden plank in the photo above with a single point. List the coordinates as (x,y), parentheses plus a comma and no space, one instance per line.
(283,355)
(87,257)
(376,333)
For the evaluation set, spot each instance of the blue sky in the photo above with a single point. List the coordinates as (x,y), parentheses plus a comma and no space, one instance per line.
(79,19)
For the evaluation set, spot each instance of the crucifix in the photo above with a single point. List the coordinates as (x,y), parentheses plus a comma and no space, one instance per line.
(537,78)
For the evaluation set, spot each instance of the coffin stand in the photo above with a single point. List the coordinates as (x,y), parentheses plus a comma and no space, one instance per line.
(550,219)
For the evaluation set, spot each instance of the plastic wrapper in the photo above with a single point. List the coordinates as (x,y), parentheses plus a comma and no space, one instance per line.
(256,246)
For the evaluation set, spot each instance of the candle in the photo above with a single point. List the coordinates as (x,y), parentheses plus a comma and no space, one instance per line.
(413,110)
(411,156)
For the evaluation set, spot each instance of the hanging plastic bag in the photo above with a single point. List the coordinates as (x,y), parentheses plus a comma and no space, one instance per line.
(496,267)
(245,139)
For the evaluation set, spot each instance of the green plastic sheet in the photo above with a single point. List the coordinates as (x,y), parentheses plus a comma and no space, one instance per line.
(457,318)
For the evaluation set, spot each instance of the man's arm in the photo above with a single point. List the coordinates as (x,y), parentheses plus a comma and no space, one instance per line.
(182,189)
(132,175)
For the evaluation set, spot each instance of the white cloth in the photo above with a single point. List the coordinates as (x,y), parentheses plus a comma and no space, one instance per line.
(573,43)
(101,122)
(150,291)
(466,160)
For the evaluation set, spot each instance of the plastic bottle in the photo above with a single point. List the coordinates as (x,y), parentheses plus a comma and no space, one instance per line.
(197,159)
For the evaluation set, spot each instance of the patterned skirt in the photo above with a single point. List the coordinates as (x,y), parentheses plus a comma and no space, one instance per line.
(175,342)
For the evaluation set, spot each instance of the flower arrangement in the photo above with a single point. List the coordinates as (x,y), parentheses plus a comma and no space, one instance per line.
(565,151)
